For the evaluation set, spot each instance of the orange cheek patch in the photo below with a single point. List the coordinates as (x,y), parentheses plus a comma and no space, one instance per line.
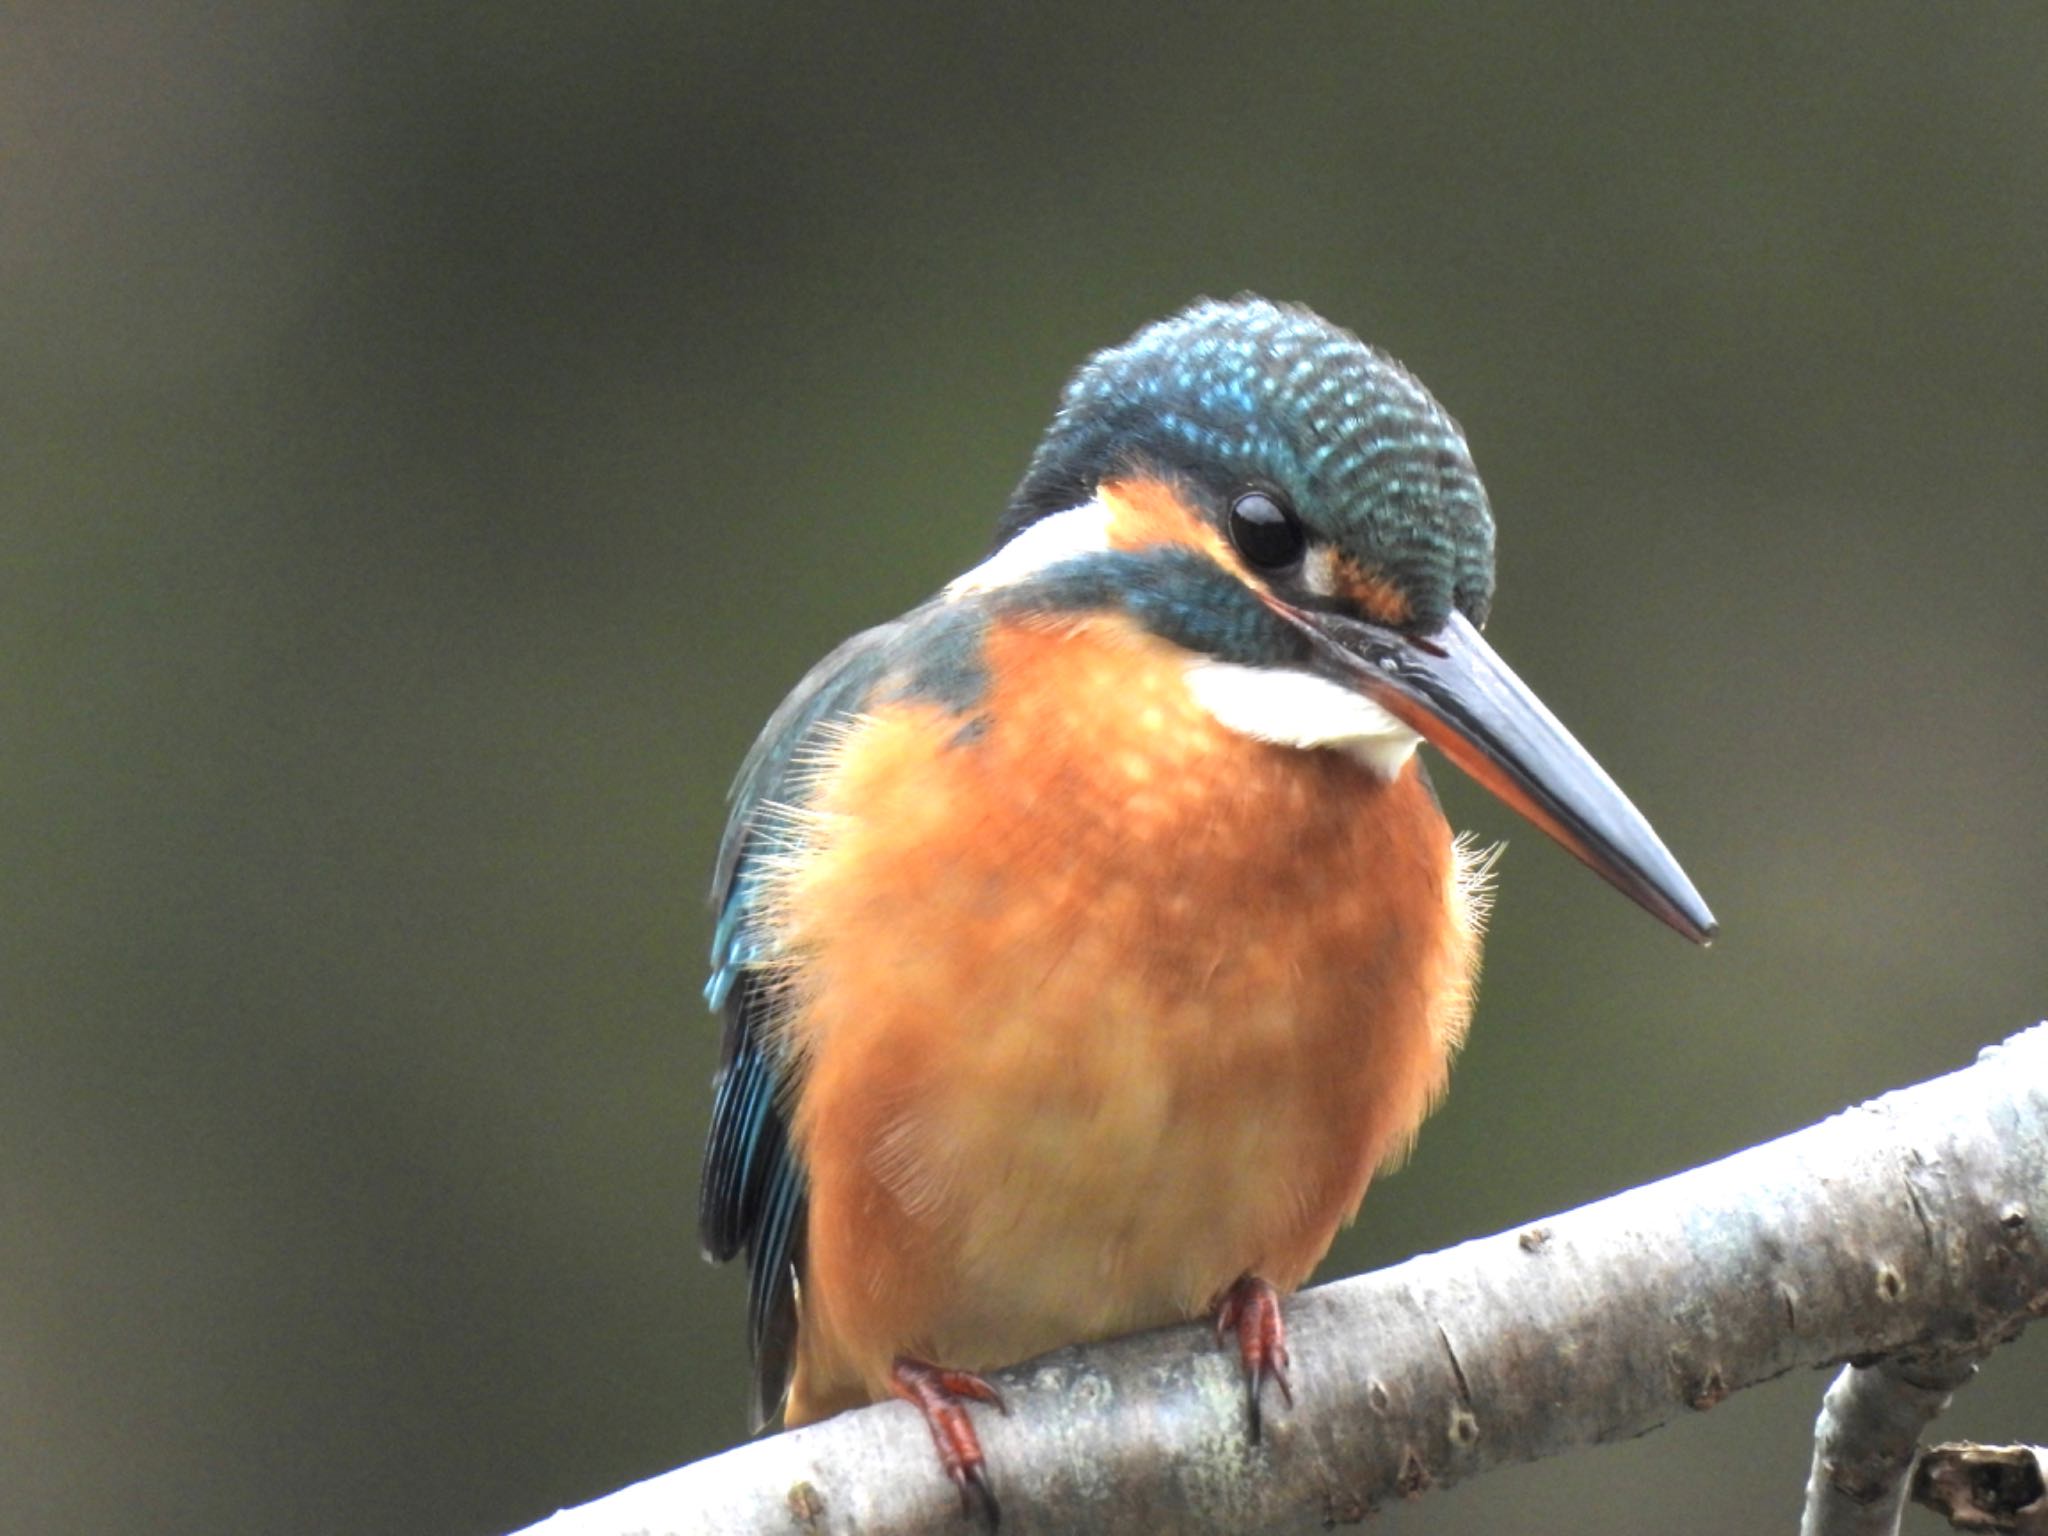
(1146,513)
(1373,594)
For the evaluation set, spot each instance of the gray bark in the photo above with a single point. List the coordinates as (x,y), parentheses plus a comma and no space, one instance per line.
(1912,1222)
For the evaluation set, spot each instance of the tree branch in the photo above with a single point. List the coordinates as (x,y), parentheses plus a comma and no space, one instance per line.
(1867,1438)
(1912,1221)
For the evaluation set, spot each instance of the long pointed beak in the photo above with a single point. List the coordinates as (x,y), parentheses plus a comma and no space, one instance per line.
(1456,693)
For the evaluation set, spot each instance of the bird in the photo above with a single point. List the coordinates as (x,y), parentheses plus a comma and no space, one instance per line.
(1088,937)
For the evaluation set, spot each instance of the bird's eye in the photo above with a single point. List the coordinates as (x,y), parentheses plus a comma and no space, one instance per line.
(1265,532)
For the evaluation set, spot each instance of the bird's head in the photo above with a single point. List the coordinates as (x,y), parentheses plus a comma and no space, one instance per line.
(1324,464)
(1294,509)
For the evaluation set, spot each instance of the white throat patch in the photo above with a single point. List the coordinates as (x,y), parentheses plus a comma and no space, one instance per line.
(1294,709)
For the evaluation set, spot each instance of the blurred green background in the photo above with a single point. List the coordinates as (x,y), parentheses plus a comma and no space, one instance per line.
(434,438)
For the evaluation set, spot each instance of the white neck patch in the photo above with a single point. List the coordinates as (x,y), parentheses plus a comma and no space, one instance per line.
(1082,530)
(1294,709)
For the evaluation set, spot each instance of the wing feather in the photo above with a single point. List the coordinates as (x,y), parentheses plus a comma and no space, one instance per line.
(754,1189)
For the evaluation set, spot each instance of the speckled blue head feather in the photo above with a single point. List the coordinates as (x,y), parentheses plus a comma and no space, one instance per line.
(1248,392)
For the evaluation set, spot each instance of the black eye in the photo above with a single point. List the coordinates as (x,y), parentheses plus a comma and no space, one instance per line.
(1265,532)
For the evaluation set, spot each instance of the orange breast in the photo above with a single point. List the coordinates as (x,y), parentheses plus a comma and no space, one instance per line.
(1101,1007)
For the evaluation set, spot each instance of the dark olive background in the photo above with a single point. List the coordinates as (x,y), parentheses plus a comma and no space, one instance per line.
(432,439)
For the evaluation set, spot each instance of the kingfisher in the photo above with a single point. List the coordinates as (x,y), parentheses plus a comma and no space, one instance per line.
(1089,936)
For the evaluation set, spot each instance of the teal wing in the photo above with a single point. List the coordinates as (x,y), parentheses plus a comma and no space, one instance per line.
(753,1197)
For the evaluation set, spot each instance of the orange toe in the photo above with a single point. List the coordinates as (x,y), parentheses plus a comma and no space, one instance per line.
(941,1396)
(1251,1306)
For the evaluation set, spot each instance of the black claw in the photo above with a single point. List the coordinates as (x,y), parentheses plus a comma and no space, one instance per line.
(1255,1379)
(976,1497)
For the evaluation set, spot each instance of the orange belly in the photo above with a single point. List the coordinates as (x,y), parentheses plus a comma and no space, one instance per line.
(1100,1007)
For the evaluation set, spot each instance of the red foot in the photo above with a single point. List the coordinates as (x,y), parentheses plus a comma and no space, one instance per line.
(940,1396)
(1252,1307)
